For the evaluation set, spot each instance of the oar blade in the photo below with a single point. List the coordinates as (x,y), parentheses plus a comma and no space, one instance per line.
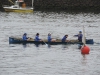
(83,39)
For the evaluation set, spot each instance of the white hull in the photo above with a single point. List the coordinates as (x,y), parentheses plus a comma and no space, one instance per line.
(11,9)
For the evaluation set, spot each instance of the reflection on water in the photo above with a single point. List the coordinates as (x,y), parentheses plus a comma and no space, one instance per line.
(31,59)
(24,45)
(84,59)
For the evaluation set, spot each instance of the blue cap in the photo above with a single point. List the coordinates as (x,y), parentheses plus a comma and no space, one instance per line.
(25,33)
(49,34)
(80,31)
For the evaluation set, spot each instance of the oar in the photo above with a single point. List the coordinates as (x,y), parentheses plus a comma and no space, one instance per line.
(84,49)
(45,43)
(83,39)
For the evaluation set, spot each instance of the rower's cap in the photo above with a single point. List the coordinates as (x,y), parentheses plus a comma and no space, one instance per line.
(37,34)
(80,31)
(49,34)
(25,33)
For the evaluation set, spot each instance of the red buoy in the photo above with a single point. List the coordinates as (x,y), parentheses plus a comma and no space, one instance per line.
(85,50)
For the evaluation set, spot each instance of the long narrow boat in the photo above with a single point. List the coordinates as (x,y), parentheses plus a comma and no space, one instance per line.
(17,8)
(14,40)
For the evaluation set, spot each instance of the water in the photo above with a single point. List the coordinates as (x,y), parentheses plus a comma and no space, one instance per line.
(56,60)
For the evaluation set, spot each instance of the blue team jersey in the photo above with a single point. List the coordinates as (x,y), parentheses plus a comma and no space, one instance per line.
(64,39)
(49,38)
(37,38)
(25,37)
(80,37)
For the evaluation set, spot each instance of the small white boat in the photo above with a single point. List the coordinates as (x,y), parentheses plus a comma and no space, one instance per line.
(17,8)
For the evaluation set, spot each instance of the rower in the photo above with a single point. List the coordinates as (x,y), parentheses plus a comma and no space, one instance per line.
(50,39)
(64,39)
(37,37)
(25,38)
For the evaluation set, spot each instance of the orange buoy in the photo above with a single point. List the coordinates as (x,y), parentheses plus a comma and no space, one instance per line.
(85,50)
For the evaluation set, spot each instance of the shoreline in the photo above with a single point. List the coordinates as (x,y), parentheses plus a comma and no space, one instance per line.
(64,5)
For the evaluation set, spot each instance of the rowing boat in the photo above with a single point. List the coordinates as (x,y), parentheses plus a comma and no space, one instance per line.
(14,40)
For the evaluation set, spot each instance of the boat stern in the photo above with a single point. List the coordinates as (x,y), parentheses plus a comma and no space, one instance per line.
(89,41)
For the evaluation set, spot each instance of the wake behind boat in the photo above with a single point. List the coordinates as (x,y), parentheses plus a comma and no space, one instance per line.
(17,8)
(14,40)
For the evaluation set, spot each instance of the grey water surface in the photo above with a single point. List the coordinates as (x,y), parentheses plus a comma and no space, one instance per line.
(17,59)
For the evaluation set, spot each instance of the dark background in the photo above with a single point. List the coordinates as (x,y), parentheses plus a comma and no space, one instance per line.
(60,4)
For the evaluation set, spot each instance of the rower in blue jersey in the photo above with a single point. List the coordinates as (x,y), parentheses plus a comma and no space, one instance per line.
(64,39)
(80,35)
(25,38)
(37,37)
(50,39)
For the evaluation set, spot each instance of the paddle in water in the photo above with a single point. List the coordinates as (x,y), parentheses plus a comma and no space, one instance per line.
(45,43)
